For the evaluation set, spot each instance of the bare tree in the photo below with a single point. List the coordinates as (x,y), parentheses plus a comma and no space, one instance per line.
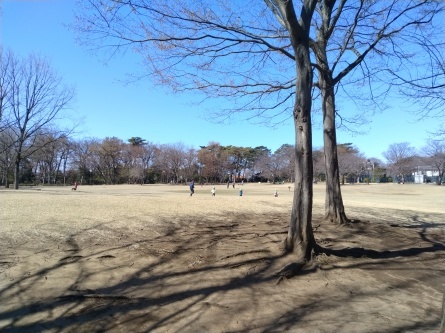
(171,160)
(6,80)
(285,157)
(270,167)
(36,99)
(400,157)
(212,162)
(108,158)
(254,163)
(7,156)
(138,156)
(434,151)
(51,156)
(190,162)
(426,88)
(83,159)
(357,44)
(350,161)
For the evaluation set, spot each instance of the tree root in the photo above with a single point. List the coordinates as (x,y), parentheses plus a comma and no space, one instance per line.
(290,270)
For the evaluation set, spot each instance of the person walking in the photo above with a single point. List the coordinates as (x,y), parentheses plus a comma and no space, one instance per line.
(213,191)
(192,187)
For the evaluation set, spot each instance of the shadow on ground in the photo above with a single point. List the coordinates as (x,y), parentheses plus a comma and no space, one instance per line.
(220,275)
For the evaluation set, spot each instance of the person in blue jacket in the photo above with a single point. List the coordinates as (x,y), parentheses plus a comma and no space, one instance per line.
(192,187)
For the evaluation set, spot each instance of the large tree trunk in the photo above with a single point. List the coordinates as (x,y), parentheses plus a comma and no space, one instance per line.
(300,238)
(334,208)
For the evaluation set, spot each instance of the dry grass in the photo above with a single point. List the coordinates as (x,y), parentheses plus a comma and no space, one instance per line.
(152,258)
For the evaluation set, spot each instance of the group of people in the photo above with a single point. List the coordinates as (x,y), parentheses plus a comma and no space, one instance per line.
(192,189)
(213,191)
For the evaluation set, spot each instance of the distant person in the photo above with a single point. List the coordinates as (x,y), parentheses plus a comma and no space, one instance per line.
(74,188)
(192,187)
(276,193)
(241,193)
(213,191)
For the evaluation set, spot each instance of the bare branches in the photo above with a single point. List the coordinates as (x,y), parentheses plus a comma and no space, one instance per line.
(221,49)
(36,98)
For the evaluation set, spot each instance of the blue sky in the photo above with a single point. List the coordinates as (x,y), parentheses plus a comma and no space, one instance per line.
(112,108)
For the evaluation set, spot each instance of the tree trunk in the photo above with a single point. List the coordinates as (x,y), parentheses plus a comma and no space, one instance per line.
(334,209)
(7,170)
(16,172)
(300,238)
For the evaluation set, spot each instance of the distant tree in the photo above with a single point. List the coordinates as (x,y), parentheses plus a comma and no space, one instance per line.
(83,159)
(285,157)
(270,167)
(254,162)
(51,157)
(212,161)
(171,161)
(434,152)
(137,158)
(107,159)
(240,158)
(36,99)
(400,158)
(7,156)
(190,163)
(319,165)
(136,141)
(350,160)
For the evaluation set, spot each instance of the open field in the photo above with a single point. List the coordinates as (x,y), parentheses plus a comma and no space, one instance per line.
(150,258)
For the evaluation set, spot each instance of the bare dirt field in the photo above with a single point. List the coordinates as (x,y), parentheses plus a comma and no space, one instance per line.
(153,259)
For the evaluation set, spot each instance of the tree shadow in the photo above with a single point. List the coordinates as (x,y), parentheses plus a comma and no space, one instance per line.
(360,227)
(178,281)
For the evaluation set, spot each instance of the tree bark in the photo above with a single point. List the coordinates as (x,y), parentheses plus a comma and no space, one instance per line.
(334,208)
(300,238)
(17,172)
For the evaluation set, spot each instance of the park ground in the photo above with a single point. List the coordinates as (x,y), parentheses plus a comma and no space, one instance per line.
(150,258)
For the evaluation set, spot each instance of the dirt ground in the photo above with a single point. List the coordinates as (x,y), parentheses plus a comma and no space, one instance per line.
(153,259)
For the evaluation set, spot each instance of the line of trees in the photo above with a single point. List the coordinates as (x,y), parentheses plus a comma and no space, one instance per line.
(62,161)
(33,150)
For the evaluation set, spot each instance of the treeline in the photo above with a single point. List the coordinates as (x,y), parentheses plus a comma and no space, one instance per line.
(58,160)
(113,161)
